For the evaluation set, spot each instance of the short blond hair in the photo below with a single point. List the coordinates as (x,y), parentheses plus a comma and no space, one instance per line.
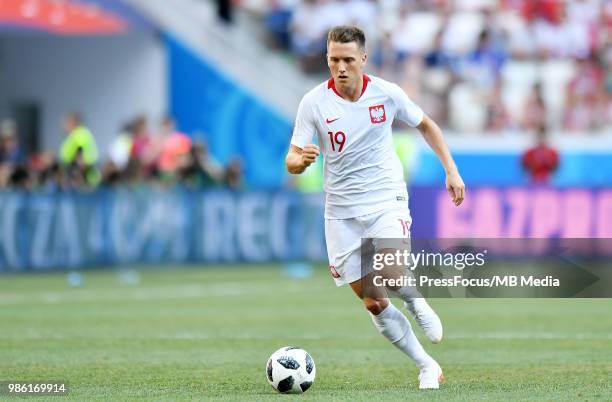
(347,34)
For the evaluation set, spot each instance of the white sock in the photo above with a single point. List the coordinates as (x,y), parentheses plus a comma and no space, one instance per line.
(407,293)
(394,326)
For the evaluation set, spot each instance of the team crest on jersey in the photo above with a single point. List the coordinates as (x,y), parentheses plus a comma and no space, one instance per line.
(377,114)
(334,273)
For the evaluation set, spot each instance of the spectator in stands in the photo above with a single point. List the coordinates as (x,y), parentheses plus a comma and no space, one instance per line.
(6,171)
(438,79)
(114,169)
(145,149)
(178,159)
(607,15)
(278,20)
(607,94)
(587,98)
(437,56)
(174,146)
(362,13)
(80,174)
(383,58)
(197,169)
(233,174)
(78,139)
(111,174)
(557,36)
(541,160)
(534,111)
(483,52)
(10,149)
(79,152)
(308,28)
(20,178)
(587,13)
(483,65)
(549,10)
(141,139)
(47,172)
(225,11)
(498,118)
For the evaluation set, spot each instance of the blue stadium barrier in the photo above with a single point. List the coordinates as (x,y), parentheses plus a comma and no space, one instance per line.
(234,122)
(40,232)
(579,168)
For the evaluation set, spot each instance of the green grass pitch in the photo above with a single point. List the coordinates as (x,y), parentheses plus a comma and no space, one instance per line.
(206,334)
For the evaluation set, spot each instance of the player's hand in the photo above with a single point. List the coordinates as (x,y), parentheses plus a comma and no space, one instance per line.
(309,154)
(455,187)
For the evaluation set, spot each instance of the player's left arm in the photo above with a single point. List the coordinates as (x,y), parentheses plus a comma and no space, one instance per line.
(433,135)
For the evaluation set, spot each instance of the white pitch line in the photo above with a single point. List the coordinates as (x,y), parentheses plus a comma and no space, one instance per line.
(35,335)
(157,293)
(207,335)
(514,335)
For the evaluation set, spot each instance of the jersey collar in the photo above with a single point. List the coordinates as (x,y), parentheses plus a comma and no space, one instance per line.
(332,85)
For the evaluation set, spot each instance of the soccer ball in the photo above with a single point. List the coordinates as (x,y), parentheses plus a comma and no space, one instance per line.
(290,370)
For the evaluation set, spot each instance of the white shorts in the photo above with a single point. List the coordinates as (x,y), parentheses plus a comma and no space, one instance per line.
(344,238)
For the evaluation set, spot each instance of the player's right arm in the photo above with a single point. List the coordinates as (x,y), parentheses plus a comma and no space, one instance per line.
(301,152)
(298,159)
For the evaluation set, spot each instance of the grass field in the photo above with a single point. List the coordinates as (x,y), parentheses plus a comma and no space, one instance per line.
(202,334)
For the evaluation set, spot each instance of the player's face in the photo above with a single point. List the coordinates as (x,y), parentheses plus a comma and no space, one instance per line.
(346,62)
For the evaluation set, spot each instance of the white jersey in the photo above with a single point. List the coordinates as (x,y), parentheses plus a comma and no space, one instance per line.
(362,171)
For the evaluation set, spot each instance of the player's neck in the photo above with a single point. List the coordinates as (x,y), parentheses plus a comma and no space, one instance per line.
(351,93)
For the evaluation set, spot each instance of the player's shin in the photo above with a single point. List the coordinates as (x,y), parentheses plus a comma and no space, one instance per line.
(394,326)
(414,302)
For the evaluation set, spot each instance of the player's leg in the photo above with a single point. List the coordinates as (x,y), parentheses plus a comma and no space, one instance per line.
(343,238)
(394,226)
(414,302)
(426,317)
(394,326)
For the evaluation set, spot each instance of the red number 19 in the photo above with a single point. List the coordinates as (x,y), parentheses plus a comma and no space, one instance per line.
(337,138)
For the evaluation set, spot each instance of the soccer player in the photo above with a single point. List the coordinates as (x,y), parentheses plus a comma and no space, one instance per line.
(351,114)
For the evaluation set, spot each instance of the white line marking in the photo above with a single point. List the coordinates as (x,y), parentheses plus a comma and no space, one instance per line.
(151,293)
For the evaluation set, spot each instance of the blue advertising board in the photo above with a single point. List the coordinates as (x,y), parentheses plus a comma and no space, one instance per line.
(68,230)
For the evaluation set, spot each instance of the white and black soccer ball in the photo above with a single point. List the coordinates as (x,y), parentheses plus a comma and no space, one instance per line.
(290,370)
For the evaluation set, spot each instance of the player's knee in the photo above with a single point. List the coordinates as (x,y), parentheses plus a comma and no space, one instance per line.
(375,306)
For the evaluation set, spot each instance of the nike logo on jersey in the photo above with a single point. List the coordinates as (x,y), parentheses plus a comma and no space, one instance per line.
(329,121)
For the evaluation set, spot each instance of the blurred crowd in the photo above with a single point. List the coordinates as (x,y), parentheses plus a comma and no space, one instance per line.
(137,155)
(474,65)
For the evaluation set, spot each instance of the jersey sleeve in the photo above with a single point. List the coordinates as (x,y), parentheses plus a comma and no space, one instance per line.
(407,111)
(304,128)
